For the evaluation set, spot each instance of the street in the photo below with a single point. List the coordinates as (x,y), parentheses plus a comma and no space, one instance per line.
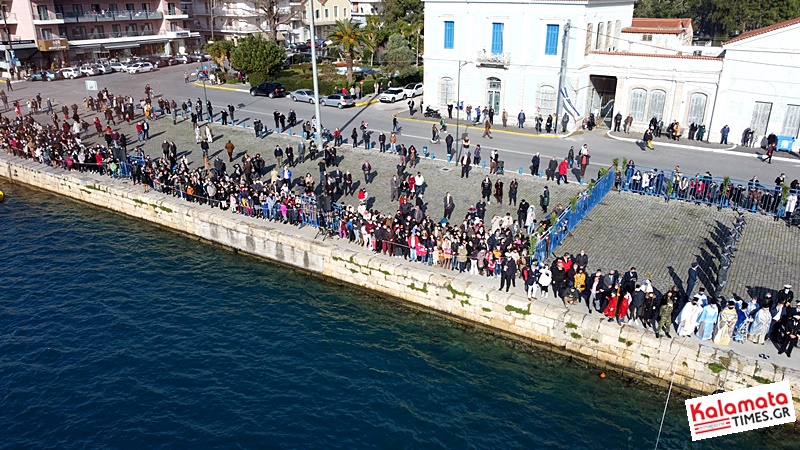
(515,148)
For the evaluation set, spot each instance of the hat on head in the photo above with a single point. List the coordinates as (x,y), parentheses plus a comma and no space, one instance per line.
(787,286)
(694,264)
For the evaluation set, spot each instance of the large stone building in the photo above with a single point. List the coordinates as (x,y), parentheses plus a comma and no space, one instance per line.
(221,19)
(507,55)
(42,32)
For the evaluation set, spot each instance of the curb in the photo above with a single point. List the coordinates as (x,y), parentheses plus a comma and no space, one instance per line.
(368,102)
(467,125)
(224,88)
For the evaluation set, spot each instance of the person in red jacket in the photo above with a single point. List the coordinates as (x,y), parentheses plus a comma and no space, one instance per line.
(562,171)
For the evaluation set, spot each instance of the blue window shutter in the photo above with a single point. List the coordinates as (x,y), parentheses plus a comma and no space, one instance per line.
(497,38)
(551,44)
(449,34)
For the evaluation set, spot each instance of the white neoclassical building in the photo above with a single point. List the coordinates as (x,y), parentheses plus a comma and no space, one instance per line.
(507,55)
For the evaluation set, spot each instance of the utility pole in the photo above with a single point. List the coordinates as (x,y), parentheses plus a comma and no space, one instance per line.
(211,12)
(10,47)
(318,125)
(562,75)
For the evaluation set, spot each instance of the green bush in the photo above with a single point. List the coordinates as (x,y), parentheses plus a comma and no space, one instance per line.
(256,78)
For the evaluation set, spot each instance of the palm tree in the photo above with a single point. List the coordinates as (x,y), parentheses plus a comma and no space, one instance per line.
(350,41)
(370,32)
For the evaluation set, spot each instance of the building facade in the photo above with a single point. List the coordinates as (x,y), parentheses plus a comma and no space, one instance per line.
(325,17)
(220,19)
(65,31)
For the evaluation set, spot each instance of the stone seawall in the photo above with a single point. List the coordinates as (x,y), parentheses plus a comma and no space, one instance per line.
(698,369)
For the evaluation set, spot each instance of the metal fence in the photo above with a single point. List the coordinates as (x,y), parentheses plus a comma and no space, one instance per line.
(570,218)
(751,195)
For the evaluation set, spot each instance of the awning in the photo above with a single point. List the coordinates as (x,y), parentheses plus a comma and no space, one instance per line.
(121,45)
(26,53)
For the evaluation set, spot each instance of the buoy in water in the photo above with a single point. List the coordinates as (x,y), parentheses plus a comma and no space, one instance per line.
(2,196)
(602,374)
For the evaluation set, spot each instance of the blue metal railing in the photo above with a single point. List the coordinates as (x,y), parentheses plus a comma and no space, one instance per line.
(572,216)
(751,195)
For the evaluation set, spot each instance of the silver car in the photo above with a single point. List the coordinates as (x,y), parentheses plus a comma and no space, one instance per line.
(338,100)
(303,95)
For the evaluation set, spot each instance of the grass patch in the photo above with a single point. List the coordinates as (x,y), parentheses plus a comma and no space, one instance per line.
(93,187)
(487,309)
(571,325)
(725,360)
(626,342)
(512,308)
(84,190)
(464,302)
(487,297)
(352,270)
(645,356)
(716,367)
(796,399)
(761,380)
(137,201)
(165,209)
(423,289)
(454,292)
(385,272)
(684,364)
(595,341)
(575,335)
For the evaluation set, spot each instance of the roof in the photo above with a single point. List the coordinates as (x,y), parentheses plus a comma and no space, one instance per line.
(763,30)
(657,55)
(658,26)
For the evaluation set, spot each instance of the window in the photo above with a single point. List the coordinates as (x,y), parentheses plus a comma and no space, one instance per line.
(449,34)
(609,30)
(116,30)
(551,40)
(47,33)
(546,100)
(316,14)
(335,11)
(647,38)
(598,43)
(588,47)
(77,9)
(145,7)
(94,7)
(112,7)
(761,113)
(656,110)
(42,12)
(497,38)
(638,99)
(129,7)
(326,13)
(173,26)
(446,96)
(791,122)
(697,108)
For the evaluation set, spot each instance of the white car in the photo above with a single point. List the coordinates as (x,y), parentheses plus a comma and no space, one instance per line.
(413,89)
(104,68)
(140,67)
(182,59)
(89,70)
(392,95)
(71,73)
(118,67)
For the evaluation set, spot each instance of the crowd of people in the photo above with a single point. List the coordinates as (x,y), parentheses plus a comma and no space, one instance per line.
(497,247)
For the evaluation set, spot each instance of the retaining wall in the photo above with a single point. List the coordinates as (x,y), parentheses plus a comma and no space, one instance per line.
(698,369)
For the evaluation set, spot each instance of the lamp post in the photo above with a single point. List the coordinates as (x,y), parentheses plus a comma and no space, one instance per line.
(461,64)
(318,137)
(205,97)
(10,47)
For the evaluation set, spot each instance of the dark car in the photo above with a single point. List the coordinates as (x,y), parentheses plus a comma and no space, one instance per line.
(269,89)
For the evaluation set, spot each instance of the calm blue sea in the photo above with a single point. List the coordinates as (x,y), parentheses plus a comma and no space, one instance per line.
(116,334)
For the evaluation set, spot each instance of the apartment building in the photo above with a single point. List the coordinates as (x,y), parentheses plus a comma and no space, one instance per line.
(219,19)
(45,32)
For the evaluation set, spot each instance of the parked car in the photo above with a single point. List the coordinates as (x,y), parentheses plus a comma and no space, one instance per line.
(392,95)
(338,100)
(194,57)
(104,68)
(139,67)
(269,89)
(89,70)
(117,66)
(44,75)
(413,89)
(303,95)
(71,73)
(182,59)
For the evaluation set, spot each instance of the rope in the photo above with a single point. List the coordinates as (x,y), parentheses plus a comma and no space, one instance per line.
(664,414)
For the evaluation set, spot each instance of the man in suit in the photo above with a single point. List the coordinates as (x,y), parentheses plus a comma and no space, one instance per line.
(509,274)
(595,290)
(449,205)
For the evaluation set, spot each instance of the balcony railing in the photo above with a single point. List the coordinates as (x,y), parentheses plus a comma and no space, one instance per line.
(9,17)
(240,29)
(489,59)
(197,10)
(112,35)
(171,12)
(49,16)
(108,16)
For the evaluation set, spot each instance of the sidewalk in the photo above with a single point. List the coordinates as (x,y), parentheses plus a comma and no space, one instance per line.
(497,127)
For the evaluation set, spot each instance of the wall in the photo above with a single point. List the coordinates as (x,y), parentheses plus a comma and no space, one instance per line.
(583,336)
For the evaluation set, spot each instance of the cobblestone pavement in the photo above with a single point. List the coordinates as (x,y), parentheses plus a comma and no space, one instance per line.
(661,239)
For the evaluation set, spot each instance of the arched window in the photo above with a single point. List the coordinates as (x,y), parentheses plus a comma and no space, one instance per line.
(656,109)
(638,99)
(589,33)
(446,96)
(546,100)
(493,92)
(598,43)
(697,108)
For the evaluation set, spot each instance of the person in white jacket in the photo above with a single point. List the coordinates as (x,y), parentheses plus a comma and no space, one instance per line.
(689,317)
(545,278)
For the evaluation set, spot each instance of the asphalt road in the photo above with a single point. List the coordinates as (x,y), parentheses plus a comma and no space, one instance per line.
(515,148)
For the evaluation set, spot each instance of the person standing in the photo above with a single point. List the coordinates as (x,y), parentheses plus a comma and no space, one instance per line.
(450,111)
(617,121)
(487,128)
(535,161)
(583,157)
(628,123)
(382,142)
(707,319)
(690,282)
(521,119)
(449,205)
(727,324)
(688,318)
(504,117)
(465,163)
(664,315)
(231,110)
(229,147)
(513,187)
(509,273)
(789,335)
(724,131)
(564,122)
(544,199)
(486,189)
(562,172)
(449,142)
(185,76)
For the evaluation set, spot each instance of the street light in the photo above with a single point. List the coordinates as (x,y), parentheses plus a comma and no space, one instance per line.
(10,46)
(318,137)
(461,64)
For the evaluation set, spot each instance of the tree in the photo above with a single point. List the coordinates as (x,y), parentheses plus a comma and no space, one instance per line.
(398,57)
(349,39)
(271,13)
(370,31)
(220,50)
(258,57)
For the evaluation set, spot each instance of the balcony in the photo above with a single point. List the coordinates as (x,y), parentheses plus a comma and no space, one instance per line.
(109,16)
(175,13)
(50,18)
(222,11)
(240,29)
(197,10)
(488,59)
(10,18)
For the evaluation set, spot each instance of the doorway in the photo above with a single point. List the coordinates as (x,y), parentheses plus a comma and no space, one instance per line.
(600,101)
(493,91)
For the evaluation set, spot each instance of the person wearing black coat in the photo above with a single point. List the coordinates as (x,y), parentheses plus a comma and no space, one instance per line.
(581,259)
(509,273)
(535,161)
(629,280)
